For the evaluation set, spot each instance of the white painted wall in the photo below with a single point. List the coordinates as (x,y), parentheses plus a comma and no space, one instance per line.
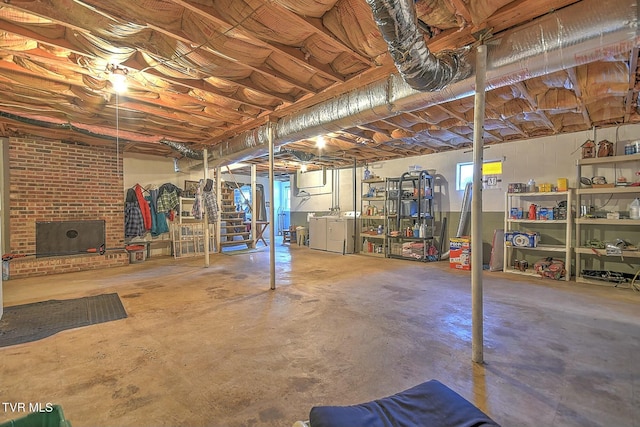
(145,170)
(543,159)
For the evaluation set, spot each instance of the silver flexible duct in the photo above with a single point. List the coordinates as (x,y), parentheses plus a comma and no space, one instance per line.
(183,149)
(584,32)
(421,69)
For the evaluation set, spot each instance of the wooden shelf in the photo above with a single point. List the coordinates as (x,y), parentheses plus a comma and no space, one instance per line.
(538,221)
(545,226)
(603,252)
(603,221)
(366,222)
(609,190)
(373,236)
(610,159)
(543,248)
(540,194)
(587,227)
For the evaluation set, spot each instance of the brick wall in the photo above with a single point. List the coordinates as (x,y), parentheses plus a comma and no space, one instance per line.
(57,181)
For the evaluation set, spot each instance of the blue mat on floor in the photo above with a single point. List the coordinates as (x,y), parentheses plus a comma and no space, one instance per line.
(430,404)
(31,322)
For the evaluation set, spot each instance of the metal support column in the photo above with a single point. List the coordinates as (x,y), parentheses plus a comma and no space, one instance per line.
(206,214)
(254,203)
(272,237)
(477,340)
(219,221)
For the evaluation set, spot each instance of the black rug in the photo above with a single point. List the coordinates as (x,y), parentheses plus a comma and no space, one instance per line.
(31,322)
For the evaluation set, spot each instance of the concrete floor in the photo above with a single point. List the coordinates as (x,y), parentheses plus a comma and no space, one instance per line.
(215,347)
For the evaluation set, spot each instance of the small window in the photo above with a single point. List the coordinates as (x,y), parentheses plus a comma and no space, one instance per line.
(491,172)
(464,175)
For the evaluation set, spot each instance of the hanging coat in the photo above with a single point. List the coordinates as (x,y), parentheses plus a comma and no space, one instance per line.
(144,207)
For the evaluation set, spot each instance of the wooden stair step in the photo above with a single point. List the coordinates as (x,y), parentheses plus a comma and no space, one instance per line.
(248,242)
(242,233)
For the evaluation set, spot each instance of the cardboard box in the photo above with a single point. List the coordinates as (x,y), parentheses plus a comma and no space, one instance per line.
(460,253)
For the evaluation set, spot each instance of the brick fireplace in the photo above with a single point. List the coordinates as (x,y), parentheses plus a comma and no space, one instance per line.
(54,181)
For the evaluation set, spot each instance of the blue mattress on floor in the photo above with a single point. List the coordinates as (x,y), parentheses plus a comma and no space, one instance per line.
(430,404)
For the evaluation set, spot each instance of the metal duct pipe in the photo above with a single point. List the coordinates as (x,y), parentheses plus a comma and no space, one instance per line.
(421,69)
(183,149)
(584,32)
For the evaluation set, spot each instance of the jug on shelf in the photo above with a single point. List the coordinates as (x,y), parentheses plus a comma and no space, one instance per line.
(532,211)
(634,209)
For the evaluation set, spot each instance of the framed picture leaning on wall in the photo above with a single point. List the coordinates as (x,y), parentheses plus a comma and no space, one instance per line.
(190,188)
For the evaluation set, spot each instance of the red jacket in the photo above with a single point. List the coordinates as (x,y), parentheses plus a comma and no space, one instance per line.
(144,207)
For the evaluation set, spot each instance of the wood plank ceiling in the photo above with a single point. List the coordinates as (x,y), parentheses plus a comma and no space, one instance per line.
(201,72)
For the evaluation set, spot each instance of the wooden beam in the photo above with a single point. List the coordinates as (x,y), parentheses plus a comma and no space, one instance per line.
(571,72)
(211,14)
(525,93)
(267,73)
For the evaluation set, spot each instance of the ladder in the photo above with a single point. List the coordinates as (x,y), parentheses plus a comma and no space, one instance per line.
(233,230)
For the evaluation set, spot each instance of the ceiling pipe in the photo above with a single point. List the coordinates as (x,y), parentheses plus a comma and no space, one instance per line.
(584,32)
(183,149)
(421,69)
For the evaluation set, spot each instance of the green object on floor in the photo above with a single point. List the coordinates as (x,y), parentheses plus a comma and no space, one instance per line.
(54,418)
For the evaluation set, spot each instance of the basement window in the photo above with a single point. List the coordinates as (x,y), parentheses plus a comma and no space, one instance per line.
(491,174)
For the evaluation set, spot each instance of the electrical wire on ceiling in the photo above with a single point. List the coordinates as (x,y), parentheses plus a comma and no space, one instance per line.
(117,134)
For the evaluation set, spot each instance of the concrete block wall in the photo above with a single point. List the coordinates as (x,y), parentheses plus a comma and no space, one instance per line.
(58,181)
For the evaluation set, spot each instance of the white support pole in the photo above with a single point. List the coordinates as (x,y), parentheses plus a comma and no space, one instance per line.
(272,236)
(477,340)
(206,214)
(219,221)
(254,203)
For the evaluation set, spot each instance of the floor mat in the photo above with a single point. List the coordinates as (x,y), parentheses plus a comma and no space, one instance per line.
(31,322)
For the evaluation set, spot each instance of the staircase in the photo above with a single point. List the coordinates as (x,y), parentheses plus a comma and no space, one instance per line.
(233,231)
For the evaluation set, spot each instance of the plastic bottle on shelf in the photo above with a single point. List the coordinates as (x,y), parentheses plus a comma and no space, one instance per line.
(634,209)
(366,244)
(531,186)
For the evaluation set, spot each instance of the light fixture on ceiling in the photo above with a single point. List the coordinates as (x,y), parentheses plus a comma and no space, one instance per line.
(303,168)
(321,142)
(118,77)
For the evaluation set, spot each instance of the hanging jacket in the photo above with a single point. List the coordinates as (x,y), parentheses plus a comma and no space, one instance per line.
(133,222)
(144,207)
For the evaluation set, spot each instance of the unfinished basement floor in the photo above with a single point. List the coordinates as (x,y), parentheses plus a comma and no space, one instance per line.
(215,347)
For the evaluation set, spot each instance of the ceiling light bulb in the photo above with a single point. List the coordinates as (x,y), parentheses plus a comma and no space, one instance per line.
(118,78)
(303,168)
(119,82)
(321,142)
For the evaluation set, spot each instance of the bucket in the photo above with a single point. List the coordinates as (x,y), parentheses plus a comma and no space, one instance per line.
(137,253)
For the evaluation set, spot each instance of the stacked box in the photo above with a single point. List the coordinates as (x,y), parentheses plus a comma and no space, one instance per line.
(460,253)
